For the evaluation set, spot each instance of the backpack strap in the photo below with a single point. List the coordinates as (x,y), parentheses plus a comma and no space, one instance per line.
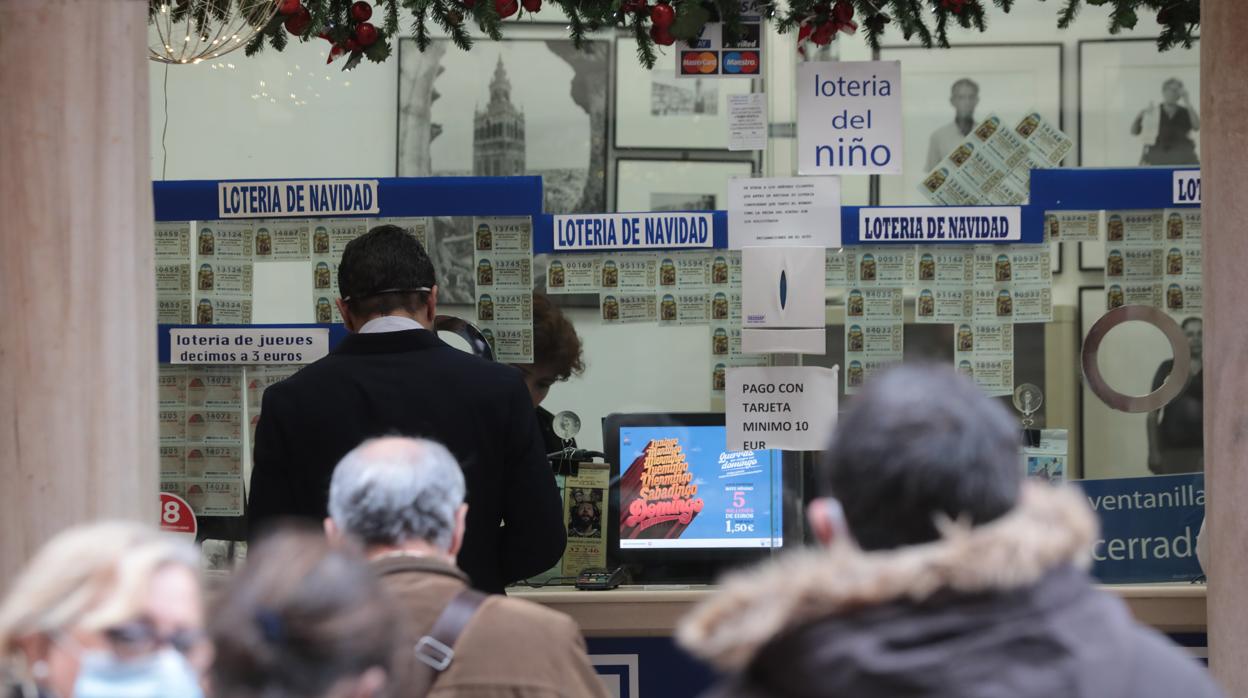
(435,651)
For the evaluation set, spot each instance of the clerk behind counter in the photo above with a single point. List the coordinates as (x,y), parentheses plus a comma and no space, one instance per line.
(556,358)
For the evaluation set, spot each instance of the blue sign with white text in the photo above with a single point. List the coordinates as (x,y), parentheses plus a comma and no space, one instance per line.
(1148,527)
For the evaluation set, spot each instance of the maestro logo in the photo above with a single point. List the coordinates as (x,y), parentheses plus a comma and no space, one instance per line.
(743,62)
(698,63)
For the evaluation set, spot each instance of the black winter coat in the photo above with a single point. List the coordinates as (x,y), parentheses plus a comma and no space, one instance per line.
(411,383)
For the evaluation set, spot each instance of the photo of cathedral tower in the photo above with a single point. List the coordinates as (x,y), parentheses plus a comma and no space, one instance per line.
(498,131)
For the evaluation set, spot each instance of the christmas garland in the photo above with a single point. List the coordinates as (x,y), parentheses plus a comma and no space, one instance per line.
(352,28)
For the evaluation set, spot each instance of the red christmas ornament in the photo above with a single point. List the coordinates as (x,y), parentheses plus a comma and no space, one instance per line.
(662,15)
(366,34)
(630,6)
(361,11)
(531,5)
(299,22)
(289,7)
(843,12)
(824,34)
(804,32)
(661,35)
(506,8)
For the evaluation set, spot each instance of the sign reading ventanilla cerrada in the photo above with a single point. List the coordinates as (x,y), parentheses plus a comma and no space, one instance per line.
(849,118)
(321,197)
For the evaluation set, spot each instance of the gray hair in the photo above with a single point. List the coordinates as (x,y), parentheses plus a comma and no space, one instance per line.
(395,489)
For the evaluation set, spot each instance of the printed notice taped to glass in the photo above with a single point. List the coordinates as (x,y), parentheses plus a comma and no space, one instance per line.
(792,408)
(747,121)
(784,212)
(253,345)
(849,118)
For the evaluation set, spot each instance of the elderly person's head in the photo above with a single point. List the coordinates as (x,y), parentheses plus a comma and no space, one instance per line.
(920,442)
(110,608)
(303,619)
(397,492)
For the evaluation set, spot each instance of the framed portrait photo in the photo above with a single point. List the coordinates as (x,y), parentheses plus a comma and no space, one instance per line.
(656,109)
(522,106)
(1137,105)
(675,185)
(949,91)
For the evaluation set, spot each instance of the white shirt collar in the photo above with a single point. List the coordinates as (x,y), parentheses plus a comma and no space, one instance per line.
(390,323)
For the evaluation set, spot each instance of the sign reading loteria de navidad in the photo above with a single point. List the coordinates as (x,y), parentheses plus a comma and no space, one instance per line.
(849,118)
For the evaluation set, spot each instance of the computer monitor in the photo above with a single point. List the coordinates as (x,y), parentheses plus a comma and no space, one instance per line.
(679,495)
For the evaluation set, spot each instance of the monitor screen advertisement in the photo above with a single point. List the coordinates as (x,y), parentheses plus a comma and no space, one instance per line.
(679,488)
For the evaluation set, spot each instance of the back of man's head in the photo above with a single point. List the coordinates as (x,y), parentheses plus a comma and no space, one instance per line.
(919,442)
(395,490)
(384,270)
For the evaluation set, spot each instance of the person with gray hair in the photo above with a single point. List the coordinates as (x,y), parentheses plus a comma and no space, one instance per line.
(403,500)
(964,98)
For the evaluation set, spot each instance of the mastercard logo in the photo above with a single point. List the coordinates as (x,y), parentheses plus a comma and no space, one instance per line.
(741,62)
(698,62)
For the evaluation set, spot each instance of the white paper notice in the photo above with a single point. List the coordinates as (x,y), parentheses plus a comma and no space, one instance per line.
(747,121)
(849,118)
(258,345)
(792,408)
(784,212)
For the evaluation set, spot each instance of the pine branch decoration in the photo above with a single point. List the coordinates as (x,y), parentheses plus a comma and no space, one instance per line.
(817,21)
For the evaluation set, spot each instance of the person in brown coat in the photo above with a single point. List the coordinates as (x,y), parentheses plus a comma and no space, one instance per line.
(403,499)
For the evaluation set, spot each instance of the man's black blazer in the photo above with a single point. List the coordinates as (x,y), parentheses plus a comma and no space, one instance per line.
(411,383)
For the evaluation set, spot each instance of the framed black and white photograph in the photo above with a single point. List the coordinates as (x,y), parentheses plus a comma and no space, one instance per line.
(656,109)
(675,185)
(1137,105)
(949,91)
(526,106)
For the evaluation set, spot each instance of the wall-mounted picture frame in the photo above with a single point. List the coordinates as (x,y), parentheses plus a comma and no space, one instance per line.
(530,105)
(948,91)
(654,109)
(1137,105)
(644,184)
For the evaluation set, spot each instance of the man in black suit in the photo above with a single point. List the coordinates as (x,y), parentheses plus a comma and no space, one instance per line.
(392,375)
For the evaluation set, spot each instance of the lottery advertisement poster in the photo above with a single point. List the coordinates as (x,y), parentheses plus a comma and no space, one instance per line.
(681,489)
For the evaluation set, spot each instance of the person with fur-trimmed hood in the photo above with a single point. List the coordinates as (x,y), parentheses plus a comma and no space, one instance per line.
(941,573)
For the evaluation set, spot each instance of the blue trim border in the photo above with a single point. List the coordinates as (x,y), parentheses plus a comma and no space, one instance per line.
(196,200)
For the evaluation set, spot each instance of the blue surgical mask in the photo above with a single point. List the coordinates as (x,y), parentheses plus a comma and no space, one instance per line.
(161,674)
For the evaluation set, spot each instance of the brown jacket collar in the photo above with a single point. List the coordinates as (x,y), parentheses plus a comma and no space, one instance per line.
(413,564)
(1049,527)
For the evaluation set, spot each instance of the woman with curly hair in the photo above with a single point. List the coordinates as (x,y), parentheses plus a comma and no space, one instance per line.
(556,358)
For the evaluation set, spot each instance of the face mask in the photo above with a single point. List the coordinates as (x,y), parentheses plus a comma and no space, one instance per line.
(162,674)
